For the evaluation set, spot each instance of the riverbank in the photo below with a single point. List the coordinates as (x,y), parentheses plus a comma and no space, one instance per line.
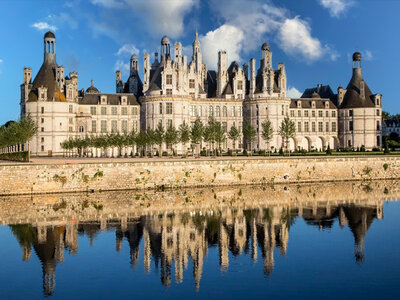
(59,175)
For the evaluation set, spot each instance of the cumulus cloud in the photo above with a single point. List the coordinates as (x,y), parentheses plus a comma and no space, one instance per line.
(336,7)
(226,38)
(128,49)
(122,66)
(292,92)
(44,26)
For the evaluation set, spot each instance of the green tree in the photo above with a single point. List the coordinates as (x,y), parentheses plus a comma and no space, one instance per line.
(27,129)
(184,135)
(141,142)
(233,135)
(159,136)
(219,135)
(249,134)
(196,132)
(287,131)
(267,132)
(385,115)
(171,137)
(151,139)
(132,140)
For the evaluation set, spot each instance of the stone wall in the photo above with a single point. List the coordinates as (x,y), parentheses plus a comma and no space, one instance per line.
(56,178)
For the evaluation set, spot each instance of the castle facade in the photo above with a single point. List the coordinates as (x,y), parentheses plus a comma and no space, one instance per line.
(174,91)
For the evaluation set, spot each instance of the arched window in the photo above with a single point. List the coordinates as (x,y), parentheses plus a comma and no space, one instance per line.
(81,129)
(224,111)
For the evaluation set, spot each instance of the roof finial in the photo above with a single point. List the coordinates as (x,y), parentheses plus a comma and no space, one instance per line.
(91,82)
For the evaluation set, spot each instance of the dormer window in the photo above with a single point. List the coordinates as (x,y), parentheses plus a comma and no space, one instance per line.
(313,104)
(103,99)
(124,100)
(299,104)
(326,104)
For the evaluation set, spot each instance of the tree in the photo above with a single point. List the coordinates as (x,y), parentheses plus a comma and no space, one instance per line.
(219,135)
(171,137)
(196,132)
(249,134)
(28,129)
(385,115)
(151,139)
(184,135)
(233,134)
(131,140)
(267,132)
(159,136)
(287,130)
(209,133)
(141,141)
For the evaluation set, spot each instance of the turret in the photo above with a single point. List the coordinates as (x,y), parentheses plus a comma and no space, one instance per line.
(146,72)
(134,66)
(196,58)
(221,82)
(49,46)
(27,75)
(252,76)
(178,52)
(165,48)
(119,86)
(266,57)
(60,78)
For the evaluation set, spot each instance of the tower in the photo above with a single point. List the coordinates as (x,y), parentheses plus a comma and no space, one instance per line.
(222,74)
(165,48)
(197,53)
(49,47)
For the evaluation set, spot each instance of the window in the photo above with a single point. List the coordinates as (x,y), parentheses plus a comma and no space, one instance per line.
(104,111)
(93,110)
(350,113)
(114,111)
(224,127)
(240,85)
(333,113)
(193,95)
(200,111)
(306,128)
(299,126)
(169,79)
(224,111)
(313,126)
(378,141)
(320,113)
(103,126)
(350,125)
(168,109)
(124,111)
(42,147)
(327,114)
(81,129)
(191,83)
(334,126)
(192,110)
(283,110)
(217,111)
(42,139)
(169,123)
(124,126)
(169,91)
(210,111)
(70,129)
(292,113)
(135,126)
(71,120)
(327,127)
(320,127)
(114,126)
(299,113)
(42,120)
(313,113)
(70,108)
(161,108)
(42,109)
(233,111)
(306,113)
(377,112)
(94,126)
(378,126)
(134,111)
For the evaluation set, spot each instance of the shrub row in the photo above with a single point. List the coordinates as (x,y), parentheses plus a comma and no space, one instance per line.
(16,156)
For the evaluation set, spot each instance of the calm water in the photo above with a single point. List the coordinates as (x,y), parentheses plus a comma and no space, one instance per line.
(315,242)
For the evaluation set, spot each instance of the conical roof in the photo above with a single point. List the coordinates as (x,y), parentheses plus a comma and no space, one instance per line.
(352,98)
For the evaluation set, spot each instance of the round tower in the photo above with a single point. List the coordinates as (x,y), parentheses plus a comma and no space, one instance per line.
(49,46)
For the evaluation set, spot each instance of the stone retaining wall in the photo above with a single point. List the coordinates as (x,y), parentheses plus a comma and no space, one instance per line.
(53,178)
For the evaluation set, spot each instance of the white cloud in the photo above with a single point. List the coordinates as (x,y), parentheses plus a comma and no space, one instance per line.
(336,7)
(128,49)
(292,92)
(1,61)
(122,66)
(44,26)
(107,3)
(368,56)
(228,38)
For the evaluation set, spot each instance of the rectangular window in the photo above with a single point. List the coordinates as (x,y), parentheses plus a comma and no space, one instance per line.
(94,126)
(334,126)
(42,147)
(233,111)
(93,110)
(71,120)
(161,108)
(320,113)
(224,111)
(191,83)
(200,112)
(103,126)
(70,129)
(192,110)
(327,114)
(169,79)
(306,128)
(298,126)
(320,127)
(124,111)
(42,110)
(313,113)
(240,111)
(350,125)
(327,127)
(114,111)
(42,120)
(124,126)
(283,110)
(299,113)
(210,111)
(240,85)
(169,91)
(70,109)
(42,139)
(313,126)
(377,112)
(378,125)
(169,123)
(134,110)
(306,113)
(168,109)
(135,126)
(104,111)
(217,111)
(333,113)
(114,126)
(350,113)
(292,113)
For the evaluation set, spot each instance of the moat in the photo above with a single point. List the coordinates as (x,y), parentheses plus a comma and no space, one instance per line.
(313,241)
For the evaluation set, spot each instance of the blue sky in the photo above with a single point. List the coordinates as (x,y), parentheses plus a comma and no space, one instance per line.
(314,38)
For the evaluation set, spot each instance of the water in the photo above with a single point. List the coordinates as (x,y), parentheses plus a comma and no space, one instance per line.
(299,241)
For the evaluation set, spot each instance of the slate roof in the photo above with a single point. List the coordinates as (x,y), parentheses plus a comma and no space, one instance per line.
(352,98)
(324,91)
(211,84)
(306,103)
(112,99)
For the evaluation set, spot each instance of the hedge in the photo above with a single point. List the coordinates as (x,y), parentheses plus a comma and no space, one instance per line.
(16,156)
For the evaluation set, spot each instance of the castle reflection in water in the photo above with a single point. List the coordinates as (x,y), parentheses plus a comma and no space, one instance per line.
(171,238)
